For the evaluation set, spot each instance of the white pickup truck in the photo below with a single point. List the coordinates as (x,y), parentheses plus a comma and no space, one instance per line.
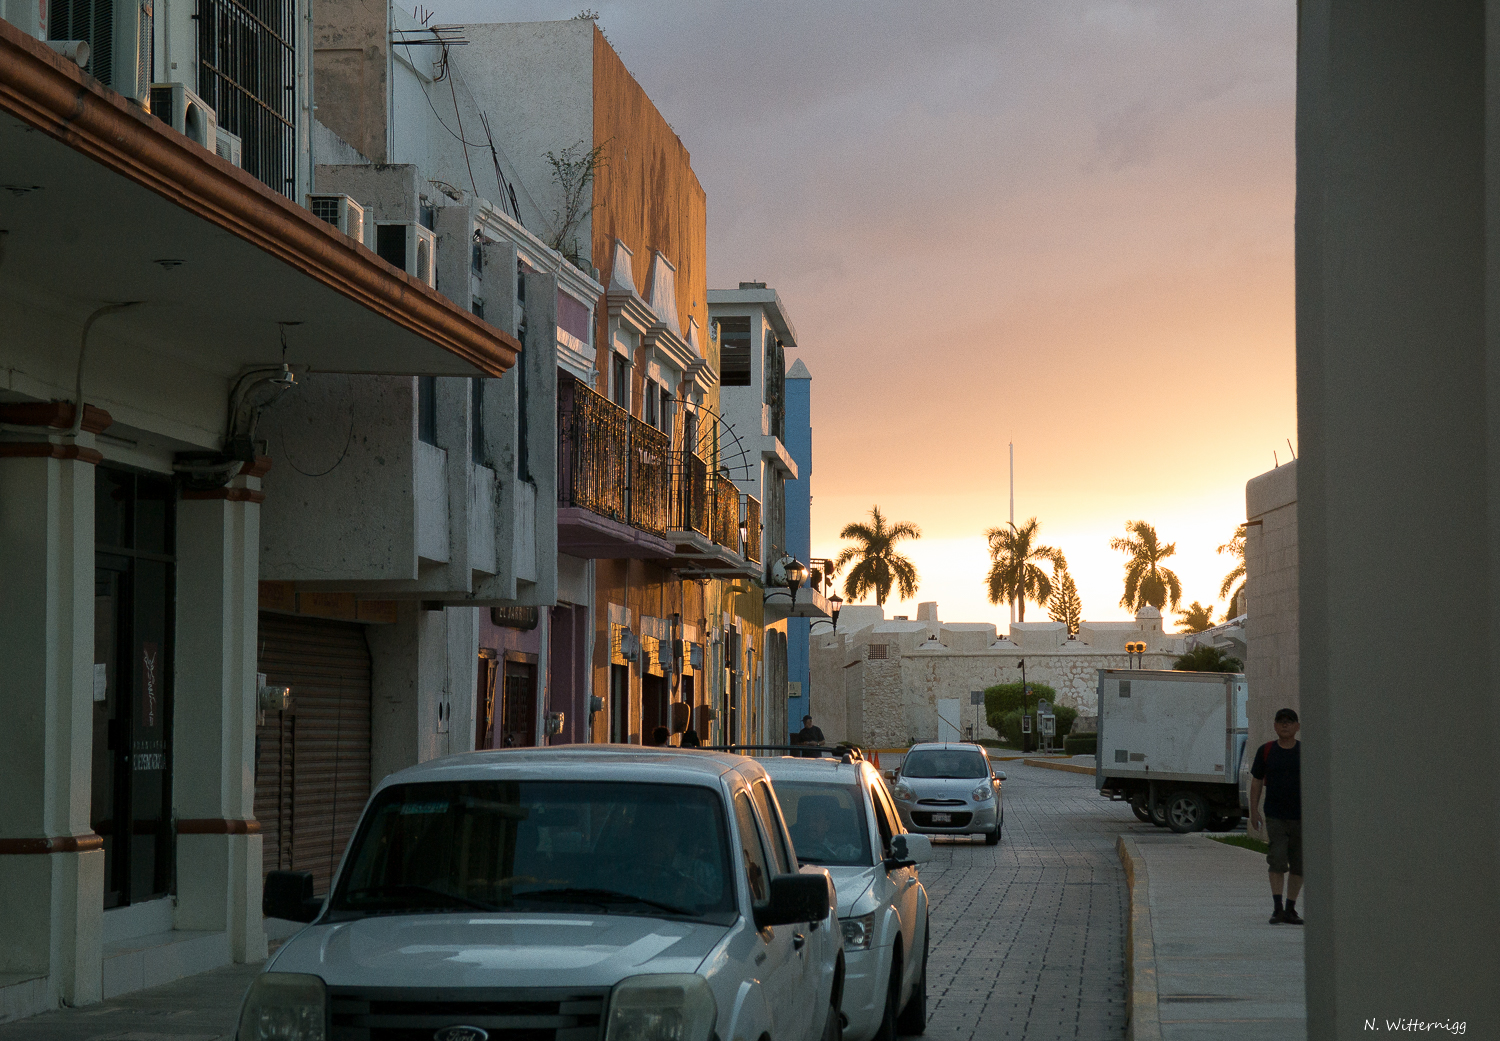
(614,894)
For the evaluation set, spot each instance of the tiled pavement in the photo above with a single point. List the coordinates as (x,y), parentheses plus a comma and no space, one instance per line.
(1028,936)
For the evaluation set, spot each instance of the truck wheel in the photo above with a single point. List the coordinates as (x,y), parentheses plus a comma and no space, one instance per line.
(1138,807)
(1158,811)
(1186,811)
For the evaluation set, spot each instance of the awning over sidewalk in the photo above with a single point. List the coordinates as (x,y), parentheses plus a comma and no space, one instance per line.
(101,202)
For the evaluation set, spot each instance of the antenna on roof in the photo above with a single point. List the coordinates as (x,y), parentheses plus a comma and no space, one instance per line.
(1291,449)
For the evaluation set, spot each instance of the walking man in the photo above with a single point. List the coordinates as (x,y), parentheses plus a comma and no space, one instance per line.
(1278,771)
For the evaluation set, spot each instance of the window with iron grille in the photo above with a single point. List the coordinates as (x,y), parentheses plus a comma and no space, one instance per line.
(247,75)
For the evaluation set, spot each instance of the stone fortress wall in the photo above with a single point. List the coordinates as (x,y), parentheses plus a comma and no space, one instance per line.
(877,681)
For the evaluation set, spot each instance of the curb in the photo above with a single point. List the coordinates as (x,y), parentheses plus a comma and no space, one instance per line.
(1072,768)
(1140,948)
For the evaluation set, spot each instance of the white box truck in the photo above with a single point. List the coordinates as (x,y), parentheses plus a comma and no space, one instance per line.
(1171,744)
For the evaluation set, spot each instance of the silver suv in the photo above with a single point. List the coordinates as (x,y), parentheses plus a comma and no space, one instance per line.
(950,788)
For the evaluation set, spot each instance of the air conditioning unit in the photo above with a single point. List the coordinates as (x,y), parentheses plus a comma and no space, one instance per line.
(340,211)
(229,147)
(186,113)
(410,247)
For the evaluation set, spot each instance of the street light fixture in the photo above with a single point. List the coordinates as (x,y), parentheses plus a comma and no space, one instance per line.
(835,603)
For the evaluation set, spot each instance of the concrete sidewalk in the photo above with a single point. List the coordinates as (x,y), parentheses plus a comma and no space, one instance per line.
(1203,961)
(197,1008)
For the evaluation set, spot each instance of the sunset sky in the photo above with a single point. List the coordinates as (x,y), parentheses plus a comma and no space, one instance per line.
(1067,225)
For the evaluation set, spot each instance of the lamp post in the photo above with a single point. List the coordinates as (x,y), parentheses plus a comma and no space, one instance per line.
(835,603)
(1025,695)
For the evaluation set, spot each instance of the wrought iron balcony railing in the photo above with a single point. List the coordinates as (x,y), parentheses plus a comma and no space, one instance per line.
(690,494)
(726,513)
(593,456)
(650,478)
(752,529)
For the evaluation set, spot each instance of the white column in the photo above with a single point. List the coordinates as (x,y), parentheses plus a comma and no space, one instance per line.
(1398,390)
(51,864)
(218,839)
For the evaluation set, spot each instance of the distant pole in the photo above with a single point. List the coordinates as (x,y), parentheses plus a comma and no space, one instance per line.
(1012,515)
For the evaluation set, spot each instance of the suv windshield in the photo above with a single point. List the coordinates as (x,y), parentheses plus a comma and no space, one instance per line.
(827,822)
(574,846)
(945,762)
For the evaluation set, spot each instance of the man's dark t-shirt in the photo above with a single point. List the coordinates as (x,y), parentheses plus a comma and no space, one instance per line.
(810,736)
(1281,770)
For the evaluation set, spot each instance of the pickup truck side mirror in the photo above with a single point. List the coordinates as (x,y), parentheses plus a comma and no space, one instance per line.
(795,898)
(908,849)
(289,895)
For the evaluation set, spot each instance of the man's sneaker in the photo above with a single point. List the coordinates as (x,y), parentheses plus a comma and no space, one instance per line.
(1291,918)
(1277,917)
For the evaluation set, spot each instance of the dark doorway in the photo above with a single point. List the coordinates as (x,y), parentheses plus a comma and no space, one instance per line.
(518,705)
(654,711)
(619,704)
(134,579)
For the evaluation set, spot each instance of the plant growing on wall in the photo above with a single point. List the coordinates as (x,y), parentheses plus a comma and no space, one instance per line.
(1014,575)
(1146,581)
(877,565)
(1235,547)
(573,171)
(1195,618)
(1064,605)
(1207,659)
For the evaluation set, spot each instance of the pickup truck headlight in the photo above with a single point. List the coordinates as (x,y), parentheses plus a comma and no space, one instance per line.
(902,791)
(665,1007)
(285,1006)
(858,931)
(981,793)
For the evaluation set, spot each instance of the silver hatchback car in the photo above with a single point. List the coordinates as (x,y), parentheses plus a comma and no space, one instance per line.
(949,788)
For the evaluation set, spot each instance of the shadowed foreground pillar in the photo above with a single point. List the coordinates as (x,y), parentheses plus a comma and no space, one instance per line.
(1397,365)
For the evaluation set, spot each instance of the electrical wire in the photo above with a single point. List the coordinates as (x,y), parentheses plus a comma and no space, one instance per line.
(347,442)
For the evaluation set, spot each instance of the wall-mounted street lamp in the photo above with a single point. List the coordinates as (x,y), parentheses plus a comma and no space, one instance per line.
(790,572)
(835,604)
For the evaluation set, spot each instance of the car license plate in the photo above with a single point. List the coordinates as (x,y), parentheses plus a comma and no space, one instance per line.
(942,818)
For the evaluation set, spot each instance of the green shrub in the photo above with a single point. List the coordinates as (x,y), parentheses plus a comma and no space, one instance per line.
(1207,659)
(1081,744)
(1005,699)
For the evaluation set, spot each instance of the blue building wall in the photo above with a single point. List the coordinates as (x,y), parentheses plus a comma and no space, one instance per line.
(799,529)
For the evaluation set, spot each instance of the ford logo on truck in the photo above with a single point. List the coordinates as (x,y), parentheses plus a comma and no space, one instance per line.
(461,1033)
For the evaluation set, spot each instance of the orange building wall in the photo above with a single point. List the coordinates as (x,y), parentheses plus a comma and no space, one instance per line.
(646,195)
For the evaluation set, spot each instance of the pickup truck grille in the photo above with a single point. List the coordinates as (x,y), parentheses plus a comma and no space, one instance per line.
(536,1014)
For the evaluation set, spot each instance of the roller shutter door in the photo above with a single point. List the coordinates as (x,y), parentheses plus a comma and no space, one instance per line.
(312,773)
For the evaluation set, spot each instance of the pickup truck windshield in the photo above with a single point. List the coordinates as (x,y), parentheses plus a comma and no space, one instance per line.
(827,822)
(944,762)
(567,846)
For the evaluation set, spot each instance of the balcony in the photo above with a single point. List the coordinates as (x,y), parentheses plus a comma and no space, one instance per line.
(751,508)
(707,510)
(613,478)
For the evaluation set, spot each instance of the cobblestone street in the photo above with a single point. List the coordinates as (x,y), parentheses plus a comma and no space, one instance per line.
(1028,936)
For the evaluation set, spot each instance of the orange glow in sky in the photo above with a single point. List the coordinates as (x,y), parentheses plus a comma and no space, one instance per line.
(1063,224)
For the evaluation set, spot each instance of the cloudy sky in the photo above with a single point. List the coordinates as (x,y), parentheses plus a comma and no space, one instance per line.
(1062,224)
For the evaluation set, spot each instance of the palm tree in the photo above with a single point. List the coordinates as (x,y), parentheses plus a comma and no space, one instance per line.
(1013,575)
(1064,605)
(1196,618)
(879,565)
(1146,581)
(1236,548)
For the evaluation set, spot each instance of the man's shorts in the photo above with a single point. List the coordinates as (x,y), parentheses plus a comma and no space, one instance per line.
(1286,845)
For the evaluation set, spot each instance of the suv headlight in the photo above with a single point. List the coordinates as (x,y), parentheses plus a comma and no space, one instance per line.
(665,1007)
(981,793)
(285,1006)
(902,791)
(858,931)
